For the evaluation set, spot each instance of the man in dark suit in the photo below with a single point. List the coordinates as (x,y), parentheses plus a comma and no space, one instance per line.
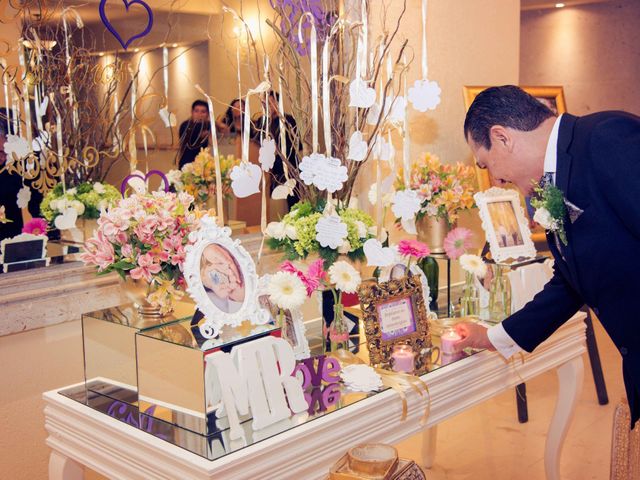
(595,162)
(194,133)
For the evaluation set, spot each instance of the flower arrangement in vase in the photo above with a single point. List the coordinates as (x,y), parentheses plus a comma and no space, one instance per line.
(297,235)
(291,286)
(143,238)
(198,178)
(441,191)
(87,199)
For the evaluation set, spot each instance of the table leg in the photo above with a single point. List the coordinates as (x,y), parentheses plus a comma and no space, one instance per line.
(429,446)
(570,377)
(64,468)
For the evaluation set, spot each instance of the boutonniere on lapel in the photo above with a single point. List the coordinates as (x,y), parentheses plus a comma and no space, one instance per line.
(551,210)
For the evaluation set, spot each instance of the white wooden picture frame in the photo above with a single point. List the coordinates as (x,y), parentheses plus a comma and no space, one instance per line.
(505,224)
(298,330)
(230,269)
(23,238)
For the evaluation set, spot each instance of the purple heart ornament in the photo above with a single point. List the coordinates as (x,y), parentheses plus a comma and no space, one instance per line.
(127,4)
(125,182)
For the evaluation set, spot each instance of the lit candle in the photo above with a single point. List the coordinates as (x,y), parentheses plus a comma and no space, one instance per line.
(403,359)
(448,341)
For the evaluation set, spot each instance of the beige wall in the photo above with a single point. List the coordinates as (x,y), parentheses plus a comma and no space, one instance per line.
(591,50)
(469,43)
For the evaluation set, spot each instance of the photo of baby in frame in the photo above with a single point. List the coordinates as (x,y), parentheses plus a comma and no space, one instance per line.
(222,278)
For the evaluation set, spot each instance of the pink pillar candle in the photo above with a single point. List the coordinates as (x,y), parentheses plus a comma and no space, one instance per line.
(448,341)
(403,359)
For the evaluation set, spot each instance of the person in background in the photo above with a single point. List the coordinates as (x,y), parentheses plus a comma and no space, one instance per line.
(230,122)
(10,184)
(283,151)
(194,133)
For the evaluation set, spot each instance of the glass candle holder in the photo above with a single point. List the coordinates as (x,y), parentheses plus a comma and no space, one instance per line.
(403,359)
(448,341)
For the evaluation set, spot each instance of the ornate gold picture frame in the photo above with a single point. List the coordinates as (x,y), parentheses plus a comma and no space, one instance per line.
(400,293)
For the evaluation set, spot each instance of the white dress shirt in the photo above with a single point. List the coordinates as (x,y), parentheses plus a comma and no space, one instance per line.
(498,336)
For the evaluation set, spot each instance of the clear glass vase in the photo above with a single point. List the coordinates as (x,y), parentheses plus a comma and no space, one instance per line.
(338,330)
(500,295)
(470,300)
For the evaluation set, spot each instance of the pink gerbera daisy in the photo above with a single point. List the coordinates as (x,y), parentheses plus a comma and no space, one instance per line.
(36,226)
(413,248)
(457,242)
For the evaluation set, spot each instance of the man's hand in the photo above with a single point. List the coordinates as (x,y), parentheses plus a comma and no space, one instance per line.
(473,335)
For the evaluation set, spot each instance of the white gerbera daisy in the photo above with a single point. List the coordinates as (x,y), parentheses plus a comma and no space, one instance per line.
(473,264)
(286,291)
(344,276)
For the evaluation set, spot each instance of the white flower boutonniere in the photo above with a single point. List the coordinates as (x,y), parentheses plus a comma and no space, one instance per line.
(550,210)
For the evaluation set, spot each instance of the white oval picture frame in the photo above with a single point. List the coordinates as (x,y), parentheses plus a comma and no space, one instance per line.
(232,264)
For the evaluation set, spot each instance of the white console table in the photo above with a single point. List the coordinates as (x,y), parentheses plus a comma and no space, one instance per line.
(79,435)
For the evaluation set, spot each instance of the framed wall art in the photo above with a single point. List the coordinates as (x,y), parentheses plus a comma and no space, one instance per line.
(394,313)
(504,224)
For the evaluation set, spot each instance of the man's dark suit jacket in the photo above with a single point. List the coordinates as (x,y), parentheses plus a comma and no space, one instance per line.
(598,170)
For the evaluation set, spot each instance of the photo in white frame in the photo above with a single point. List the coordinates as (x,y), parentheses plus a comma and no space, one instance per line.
(221,279)
(505,224)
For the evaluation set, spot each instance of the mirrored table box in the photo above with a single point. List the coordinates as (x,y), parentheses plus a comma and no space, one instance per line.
(109,349)
(174,384)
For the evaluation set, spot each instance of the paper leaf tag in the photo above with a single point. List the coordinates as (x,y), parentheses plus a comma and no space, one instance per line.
(377,255)
(16,148)
(383,150)
(67,220)
(361,378)
(424,95)
(24,196)
(245,179)
(326,173)
(360,94)
(168,118)
(281,192)
(331,231)
(267,154)
(406,204)
(357,147)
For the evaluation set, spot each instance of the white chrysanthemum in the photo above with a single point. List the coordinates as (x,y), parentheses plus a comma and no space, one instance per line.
(98,188)
(78,206)
(286,291)
(276,230)
(71,191)
(344,277)
(544,218)
(291,232)
(473,264)
(345,247)
(174,177)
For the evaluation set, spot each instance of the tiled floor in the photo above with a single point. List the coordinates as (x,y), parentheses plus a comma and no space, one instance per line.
(487,442)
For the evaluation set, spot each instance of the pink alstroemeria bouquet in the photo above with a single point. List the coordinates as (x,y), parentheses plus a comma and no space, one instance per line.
(144,237)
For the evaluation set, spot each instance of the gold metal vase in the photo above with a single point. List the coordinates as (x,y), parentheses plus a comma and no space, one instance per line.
(138,291)
(432,231)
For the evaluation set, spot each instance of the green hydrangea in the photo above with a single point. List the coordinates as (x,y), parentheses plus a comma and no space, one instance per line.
(350,217)
(84,193)
(306,231)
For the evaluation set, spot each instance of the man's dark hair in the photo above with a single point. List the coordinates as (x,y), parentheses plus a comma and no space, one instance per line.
(509,106)
(274,94)
(201,103)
